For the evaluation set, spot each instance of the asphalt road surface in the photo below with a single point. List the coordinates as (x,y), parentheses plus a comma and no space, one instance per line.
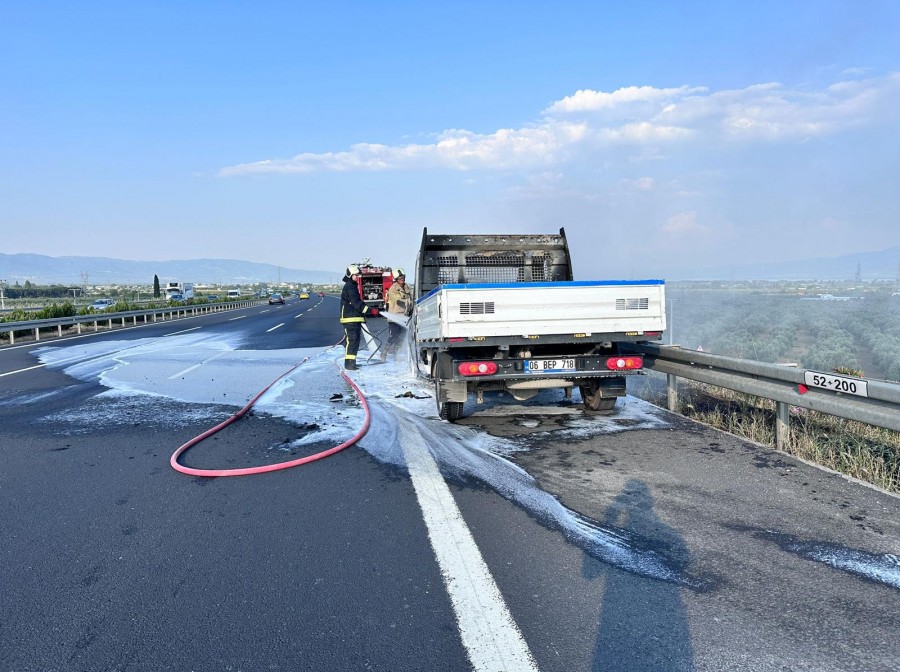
(525,537)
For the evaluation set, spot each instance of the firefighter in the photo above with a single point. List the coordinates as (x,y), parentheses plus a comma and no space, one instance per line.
(398,301)
(353,312)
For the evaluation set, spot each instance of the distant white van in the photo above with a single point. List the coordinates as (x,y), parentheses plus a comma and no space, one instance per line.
(234,293)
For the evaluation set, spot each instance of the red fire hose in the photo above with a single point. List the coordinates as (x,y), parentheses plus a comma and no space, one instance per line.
(269,467)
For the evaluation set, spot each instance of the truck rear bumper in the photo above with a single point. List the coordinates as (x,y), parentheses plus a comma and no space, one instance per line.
(517,371)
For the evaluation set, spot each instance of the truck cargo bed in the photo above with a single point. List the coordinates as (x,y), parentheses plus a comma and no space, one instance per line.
(565,308)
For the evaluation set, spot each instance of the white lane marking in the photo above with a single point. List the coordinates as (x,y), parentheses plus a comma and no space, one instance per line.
(275,327)
(187,370)
(30,368)
(183,331)
(296,316)
(195,366)
(491,637)
(264,311)
(237,318)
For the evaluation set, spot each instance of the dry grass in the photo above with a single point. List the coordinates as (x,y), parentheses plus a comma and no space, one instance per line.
(865,452)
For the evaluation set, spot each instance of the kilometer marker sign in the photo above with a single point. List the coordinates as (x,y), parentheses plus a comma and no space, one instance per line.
(842,384)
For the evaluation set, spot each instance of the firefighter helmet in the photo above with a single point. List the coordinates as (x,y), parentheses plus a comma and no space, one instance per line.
(352,270)
(398,273)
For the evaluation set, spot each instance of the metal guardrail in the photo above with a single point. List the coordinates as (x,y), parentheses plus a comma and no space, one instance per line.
(787,386)
(151,314)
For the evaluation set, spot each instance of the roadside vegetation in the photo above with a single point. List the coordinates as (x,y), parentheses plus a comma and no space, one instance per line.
(862,451)
(847,328)
(855,325)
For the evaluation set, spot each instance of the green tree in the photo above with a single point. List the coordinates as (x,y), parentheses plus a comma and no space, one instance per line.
(155,286)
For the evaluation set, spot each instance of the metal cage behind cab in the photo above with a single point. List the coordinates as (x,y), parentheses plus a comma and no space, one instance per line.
(463,259)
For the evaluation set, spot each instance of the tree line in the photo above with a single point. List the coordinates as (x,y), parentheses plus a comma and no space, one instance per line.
(32,291)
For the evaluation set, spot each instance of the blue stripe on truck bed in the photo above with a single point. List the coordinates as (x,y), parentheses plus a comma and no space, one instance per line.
(564,283)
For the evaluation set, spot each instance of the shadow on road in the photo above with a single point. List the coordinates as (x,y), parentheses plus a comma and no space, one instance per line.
(643,624)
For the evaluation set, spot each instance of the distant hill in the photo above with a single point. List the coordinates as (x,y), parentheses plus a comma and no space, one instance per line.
(44,270)
(881,265)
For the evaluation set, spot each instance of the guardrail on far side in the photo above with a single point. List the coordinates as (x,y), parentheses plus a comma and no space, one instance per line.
(149,315)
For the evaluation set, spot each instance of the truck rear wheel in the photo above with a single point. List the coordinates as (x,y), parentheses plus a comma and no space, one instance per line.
(451,411)
(590,395)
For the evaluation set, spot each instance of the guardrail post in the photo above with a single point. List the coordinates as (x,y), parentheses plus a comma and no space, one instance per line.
(37,333)
(78,327)
(59,330)
(782,424)
(96,325)
(672,392)
(12,338)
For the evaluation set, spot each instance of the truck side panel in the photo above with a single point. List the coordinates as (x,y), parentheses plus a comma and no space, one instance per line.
(464,311)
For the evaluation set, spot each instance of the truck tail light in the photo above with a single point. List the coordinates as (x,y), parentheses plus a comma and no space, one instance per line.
(477,368)
(624,363)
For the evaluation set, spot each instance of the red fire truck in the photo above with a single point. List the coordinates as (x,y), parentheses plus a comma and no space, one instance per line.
(374,282)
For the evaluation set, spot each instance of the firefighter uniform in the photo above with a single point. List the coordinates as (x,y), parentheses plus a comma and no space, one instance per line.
(398,300)
(353,312)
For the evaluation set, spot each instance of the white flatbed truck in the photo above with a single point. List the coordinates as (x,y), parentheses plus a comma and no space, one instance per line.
(503,312)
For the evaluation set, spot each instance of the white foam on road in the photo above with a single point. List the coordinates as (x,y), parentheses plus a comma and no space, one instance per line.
(233,378)
(882,568)
(206,372)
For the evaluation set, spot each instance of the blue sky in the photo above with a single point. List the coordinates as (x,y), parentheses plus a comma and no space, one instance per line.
(661,135)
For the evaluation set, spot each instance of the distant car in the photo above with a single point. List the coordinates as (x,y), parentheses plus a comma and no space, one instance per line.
(176,298)
(321,293)
(102,304)
(212,297)
(276,298)
(304,295)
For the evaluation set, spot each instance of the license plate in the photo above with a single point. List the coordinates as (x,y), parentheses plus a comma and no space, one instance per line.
(834,383)
(549,365)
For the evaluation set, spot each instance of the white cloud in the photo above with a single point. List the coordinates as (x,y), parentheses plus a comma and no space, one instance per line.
(643,132)
(453,149)
(641,184)
(592,124)
(683,223)
(773,112)
(587,100)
